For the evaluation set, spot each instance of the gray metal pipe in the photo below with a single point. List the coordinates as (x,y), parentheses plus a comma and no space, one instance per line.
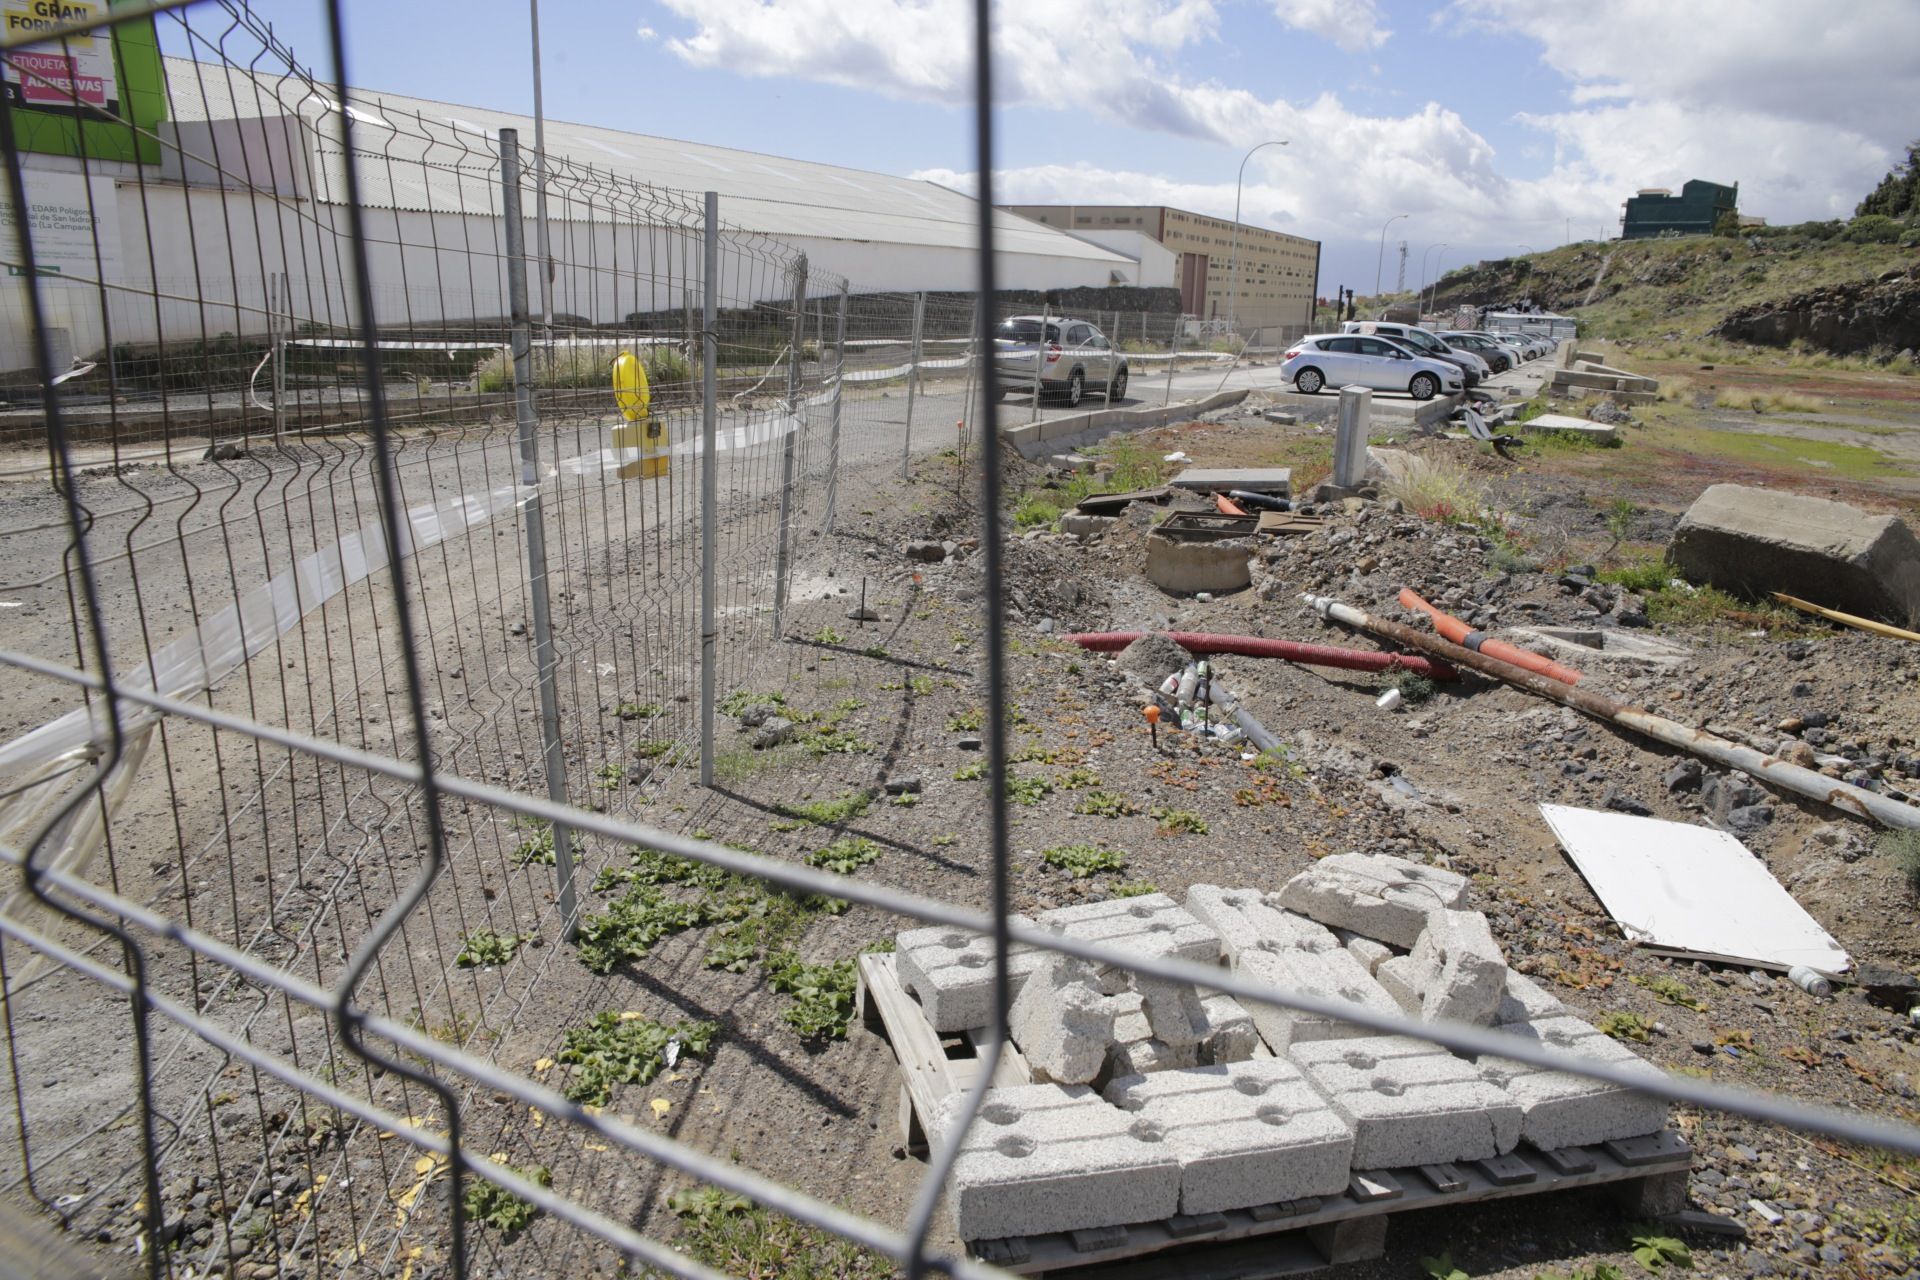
(709,481)
(1844,796)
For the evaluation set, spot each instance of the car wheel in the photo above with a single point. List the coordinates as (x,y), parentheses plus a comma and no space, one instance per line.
(1423,387)
(1076,389)
(1309,382)
(1118,391)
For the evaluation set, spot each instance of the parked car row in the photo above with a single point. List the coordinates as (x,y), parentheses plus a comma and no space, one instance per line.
(1388,356)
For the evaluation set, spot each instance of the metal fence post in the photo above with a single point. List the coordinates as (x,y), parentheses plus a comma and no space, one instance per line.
(782,556)
(1173,347)
(833,421)
(913,379)
(709,482)
(555,757)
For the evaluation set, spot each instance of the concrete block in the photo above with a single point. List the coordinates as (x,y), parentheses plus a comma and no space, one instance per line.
(1379,896)
(1043,1158)
(1465,975)
(1230,1035)
(1085,525)
(1245,1134)
(1526,1001)
(1277,481)
(1752,541)
(1331,974)
(1246,921)
(951,971)
(1152,924)
(1369,953)
(1409,1102)
(1062,1022)
(1399,977)
(1172,1009)
(1597,432)
(1185,567)
(1558,1109)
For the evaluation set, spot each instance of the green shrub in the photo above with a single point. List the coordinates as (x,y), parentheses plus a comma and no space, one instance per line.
(1083,860)
(845,855)
(624,1048)
(495,1206)
(1874,228)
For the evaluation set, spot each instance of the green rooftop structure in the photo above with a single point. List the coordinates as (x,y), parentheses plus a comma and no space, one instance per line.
(1691,213)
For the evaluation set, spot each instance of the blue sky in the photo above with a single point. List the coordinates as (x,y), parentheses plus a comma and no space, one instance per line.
(1494,123)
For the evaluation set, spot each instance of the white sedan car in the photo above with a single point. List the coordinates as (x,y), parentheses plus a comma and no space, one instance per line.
(1352,359)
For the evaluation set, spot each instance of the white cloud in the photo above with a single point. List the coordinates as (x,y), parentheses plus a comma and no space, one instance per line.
(1353,25)
(647,33)
(1803,105)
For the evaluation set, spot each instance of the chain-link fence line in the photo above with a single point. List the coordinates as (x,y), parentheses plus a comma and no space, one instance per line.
(364,619)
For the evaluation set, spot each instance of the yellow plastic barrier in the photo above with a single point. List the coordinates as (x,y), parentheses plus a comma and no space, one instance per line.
(641,430)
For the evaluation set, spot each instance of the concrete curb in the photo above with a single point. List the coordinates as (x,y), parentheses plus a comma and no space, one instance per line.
(1057,434)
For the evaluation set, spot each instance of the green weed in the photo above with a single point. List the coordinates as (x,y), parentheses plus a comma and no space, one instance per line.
(1656,1252)
(972,771)
(624,1048)
(631,925)
(730,1234)
(537,848)
(1134,888)
(1442,1268)
(827,635)
(1643,576)
(845,855)
(822,995)
(485,947)
(1028,791)
(1626,1026)
(1669,990)
(1180,822)
(1104,804)
(1083,860)
(829,813)
(1076,779)
(495,1206)
(740,699)
(639,710)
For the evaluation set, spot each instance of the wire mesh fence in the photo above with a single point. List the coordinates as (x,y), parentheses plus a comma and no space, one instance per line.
(364,622)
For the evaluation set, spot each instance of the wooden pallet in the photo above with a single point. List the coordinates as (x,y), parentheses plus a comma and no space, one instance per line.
(1649,1177)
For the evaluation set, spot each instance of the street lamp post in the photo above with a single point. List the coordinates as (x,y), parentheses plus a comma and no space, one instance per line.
(1380,259)
(1437,260)
(1233,256)
(1423,266)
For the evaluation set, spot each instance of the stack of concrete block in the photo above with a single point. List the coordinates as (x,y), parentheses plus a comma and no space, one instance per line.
(1062,1021)
(1223,1032)
(1377,896)
(951,971)
(1410,1102)
(1294,954)
(1245,1134)
(1562,1110)
(1048,1157)
(1582,371)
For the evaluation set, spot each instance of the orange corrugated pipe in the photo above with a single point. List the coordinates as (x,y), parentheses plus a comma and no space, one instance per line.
(1451,628)
(1227,506)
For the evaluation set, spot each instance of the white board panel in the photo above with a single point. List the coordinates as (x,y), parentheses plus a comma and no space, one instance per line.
(1679,887)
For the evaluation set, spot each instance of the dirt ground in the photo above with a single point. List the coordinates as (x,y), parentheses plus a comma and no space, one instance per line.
(1453,779)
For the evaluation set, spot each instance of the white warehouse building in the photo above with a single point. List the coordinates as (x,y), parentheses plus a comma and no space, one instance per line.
(227,203)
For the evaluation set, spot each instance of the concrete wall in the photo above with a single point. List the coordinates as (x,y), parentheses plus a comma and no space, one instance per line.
(1158,266)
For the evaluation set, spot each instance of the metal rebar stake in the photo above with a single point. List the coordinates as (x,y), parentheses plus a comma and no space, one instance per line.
(709,481)
(555,755)
(833,420)
(796,411)
(913,380)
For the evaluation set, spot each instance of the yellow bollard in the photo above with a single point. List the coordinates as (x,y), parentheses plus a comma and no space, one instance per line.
(641,430)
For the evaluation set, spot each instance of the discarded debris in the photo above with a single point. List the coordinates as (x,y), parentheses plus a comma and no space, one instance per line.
(1675,887)
(1480,642)
(1848,619)
(1203,643)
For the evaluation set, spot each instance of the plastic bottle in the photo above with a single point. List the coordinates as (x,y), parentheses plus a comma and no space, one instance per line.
(1809,981)
(1170,686)
(1189,681)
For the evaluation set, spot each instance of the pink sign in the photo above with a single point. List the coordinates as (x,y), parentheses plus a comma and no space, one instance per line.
(50,78)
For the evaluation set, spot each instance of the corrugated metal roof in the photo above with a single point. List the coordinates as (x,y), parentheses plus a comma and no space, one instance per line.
(415,153)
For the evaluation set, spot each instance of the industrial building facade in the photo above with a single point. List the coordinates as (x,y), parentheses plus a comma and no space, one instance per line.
(1277,273)
(1656,210)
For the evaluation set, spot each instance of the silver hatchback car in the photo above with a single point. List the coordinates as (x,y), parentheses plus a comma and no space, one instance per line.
(1075,358)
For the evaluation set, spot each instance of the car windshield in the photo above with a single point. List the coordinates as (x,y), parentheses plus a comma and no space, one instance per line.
(1025,331)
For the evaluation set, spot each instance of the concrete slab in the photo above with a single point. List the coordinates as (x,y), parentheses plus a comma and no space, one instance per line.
(1525,1001)
(1410,1103)
(1230,1035)
(1062,1022)
(1246,921)
(1369,953)
(1332,975)
(1172,1010)
(1376,895)
(1044,1158)
(1751,541)
(1597,432)
(1562,1110)
(951,971)
(1135,1050)
(1245,1134)
(1152,924)
(1277,481)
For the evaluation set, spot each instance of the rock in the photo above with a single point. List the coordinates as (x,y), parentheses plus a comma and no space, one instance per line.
(1613,798)
(968,744)
(757,714)
(1086,526)
(1044,626)
(1750,818)
(928,552)
(1750,541)
(774,731)
(1685,775)
(1153,657)
(1885,985)
(902,786)
(863,613)
(1793,751)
